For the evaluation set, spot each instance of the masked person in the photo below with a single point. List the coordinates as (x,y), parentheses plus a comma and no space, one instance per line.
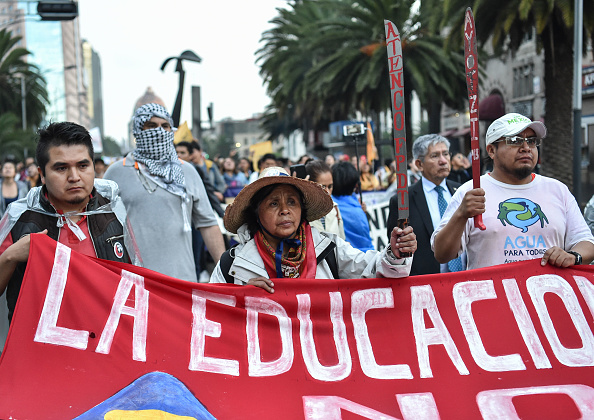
(164,196)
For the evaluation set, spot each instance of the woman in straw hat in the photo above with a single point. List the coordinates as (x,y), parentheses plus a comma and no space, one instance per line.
(271,218)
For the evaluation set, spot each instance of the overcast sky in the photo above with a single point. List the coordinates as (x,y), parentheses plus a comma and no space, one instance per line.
(134,37)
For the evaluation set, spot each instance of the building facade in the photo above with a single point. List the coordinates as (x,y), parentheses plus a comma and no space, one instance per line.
(92,66)
(56,49)
(241,134)
(511,83)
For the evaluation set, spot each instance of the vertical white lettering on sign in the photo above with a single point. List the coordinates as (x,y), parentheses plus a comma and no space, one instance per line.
(201,328)
(419,406)
(422,299)
(587,289)
(47,329)
(256,367)
(465,294)
(525,325)
(498,403)
(363,301)
(139,312)
(329,408)
(308,346)
(549,283)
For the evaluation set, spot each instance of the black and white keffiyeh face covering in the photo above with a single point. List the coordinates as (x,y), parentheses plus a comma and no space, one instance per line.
(155,149)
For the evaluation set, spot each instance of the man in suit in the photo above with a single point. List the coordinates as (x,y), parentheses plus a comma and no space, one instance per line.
(428,200)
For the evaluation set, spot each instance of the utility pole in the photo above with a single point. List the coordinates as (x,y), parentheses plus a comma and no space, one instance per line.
(577,100)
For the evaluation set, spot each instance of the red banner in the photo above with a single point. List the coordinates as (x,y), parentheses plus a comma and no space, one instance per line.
(92,339)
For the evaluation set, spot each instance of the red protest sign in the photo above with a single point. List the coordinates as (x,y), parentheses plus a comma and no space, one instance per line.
(90,337)
(396,75)
(471,70)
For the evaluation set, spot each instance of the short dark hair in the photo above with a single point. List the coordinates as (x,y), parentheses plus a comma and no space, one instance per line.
(266,157)
(61,134)
(9,160)
(345,178)
(187,145)
(315,168)
(195,145)
(283,161)
(98,160)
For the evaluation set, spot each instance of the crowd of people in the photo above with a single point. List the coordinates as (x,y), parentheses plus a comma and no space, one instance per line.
(158,206)
(230,174)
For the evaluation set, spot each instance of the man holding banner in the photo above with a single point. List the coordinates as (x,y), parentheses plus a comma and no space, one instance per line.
(527,216)
(71,207)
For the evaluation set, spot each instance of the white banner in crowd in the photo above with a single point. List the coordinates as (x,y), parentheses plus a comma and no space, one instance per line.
(377,214)
(378,209)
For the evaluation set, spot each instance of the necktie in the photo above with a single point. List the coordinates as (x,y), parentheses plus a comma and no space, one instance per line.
(456,263)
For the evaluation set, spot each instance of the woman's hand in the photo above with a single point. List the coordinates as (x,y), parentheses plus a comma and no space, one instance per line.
(403,240)
(263,283)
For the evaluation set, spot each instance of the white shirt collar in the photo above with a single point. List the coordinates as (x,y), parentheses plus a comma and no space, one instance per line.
(429,186)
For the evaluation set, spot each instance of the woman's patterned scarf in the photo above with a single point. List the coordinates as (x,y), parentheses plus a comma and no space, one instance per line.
(291,265)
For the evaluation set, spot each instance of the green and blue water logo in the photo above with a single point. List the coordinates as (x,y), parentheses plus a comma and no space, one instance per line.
(521,213)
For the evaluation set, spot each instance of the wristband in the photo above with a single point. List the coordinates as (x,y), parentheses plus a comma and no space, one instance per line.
(578,257)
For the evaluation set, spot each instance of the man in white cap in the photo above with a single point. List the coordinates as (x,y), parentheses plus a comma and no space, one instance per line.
(164,197)
(527,216)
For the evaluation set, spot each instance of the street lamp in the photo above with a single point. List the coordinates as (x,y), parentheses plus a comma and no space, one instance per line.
(189,56)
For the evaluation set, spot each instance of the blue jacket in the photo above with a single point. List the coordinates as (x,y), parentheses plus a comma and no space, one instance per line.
(356,225)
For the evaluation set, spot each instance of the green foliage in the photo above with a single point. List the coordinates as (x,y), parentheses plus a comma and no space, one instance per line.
(326,60)
(505,23)
(111,147)
(13,140)
(13,68)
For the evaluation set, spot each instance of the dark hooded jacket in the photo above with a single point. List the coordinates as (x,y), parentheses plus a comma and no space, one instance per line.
(106,233)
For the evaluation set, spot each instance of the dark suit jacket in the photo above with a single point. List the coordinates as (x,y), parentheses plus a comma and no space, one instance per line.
(419,218)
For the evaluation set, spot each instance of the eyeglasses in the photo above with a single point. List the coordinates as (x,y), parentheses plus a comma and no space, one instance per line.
(519,141)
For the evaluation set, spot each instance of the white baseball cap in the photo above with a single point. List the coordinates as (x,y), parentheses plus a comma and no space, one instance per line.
(512,124)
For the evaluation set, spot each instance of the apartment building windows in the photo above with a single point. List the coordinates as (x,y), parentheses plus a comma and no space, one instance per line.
(523,80)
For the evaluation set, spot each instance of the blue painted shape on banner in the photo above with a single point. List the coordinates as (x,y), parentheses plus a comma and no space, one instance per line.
(153,391)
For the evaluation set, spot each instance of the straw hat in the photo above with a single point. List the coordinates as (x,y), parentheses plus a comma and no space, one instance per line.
(316,201)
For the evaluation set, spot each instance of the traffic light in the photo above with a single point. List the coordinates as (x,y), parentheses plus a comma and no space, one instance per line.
(57,9)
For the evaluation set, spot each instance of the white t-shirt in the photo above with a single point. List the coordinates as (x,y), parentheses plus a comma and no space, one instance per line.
(522,221)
